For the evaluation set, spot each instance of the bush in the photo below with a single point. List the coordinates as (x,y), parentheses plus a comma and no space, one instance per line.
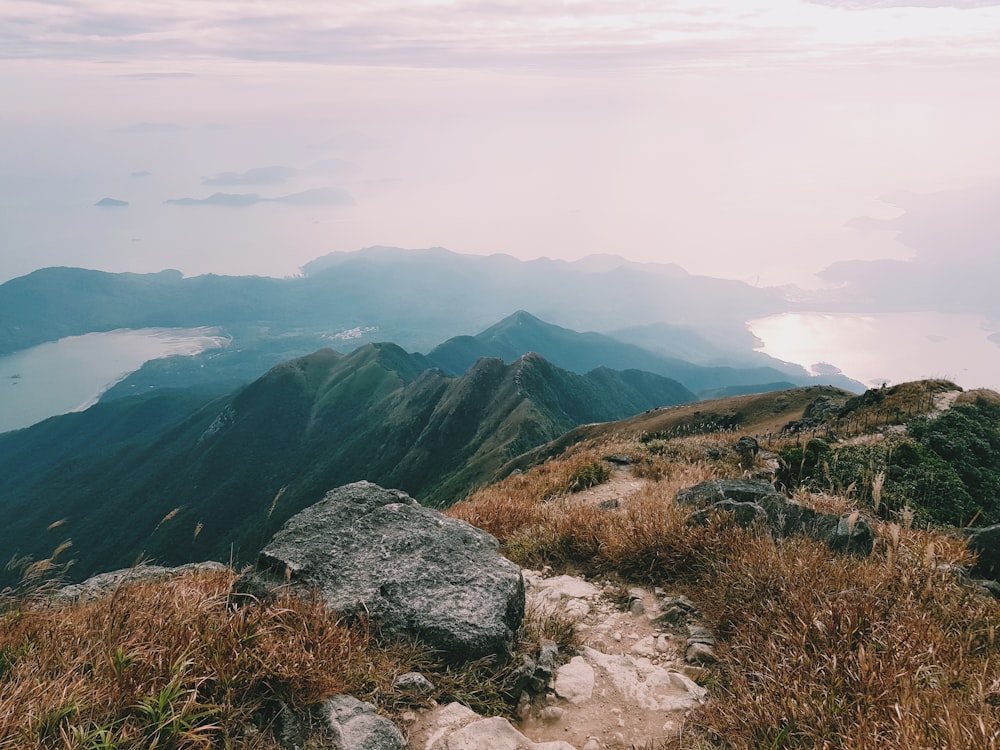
(589,475)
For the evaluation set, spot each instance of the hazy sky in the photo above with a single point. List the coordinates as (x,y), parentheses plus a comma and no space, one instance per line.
(762,140)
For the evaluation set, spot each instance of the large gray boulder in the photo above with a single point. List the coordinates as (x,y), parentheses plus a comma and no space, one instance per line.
(716,490)
(985,542)
(370,551)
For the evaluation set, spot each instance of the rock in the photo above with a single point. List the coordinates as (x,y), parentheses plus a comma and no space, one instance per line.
(700,653)
(455,727)
(562,587)
(675,610)
(747,499)
(985,543)
(991,587)
(700,634)
(740,490)
(644,685)
(106,583)
(853,534)
(413,682)
(618,459)
(545,666)
(355,726)
(575,680)
(370,551)
(611,504)
(747,448)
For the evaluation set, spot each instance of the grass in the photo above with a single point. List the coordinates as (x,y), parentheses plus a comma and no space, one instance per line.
(186,664)
(816,649)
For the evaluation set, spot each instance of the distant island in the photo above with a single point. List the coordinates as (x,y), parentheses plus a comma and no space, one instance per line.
(111,202)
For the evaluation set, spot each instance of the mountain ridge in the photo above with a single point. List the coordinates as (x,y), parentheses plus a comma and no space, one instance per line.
(239,464)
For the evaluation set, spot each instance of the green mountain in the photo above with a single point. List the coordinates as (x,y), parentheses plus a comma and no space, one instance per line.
(582,352)
(218,481)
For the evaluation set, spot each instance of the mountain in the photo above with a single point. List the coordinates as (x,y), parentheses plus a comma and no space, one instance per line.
(582,352)
(416,298)
(217,481)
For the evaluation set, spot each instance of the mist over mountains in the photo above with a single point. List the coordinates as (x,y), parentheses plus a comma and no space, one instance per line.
(416,299)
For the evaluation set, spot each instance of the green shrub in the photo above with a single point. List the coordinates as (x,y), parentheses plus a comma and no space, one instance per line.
(589,475)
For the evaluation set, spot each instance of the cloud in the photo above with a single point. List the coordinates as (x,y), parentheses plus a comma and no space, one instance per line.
(880,4)
(257,176)
(314,197)
(141,173)
(111,202)
(543,36)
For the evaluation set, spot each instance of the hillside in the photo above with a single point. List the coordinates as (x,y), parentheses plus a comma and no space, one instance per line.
(792,642)
(215,482)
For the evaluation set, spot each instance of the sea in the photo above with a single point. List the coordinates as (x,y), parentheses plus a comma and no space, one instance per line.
(887,348)
(71,374)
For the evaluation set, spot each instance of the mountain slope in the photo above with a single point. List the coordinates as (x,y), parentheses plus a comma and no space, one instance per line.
(582,352)
(216,483)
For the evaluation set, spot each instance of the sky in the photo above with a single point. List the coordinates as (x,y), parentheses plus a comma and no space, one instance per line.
(847,147)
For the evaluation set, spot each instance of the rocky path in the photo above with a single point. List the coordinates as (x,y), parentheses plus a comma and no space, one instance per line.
(631,684)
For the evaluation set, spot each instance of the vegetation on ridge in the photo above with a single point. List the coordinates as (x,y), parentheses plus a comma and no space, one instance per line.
(816,649)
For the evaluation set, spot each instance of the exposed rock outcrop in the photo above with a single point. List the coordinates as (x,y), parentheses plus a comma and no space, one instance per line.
(755,500)
(355,726)
(374,552)
(105,583)
(455,727)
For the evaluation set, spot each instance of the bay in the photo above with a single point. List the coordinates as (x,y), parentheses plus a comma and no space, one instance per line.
(71,374)
(887,347)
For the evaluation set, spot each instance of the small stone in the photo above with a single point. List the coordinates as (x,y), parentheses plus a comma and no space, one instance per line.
(645,646)
(637,608)
(592,744)
(551,714)
(616,636)
(700,653)
(413,682)
(575,681)
(577,609)
(662,644)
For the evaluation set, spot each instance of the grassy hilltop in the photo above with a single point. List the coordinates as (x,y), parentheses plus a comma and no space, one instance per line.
(816,649)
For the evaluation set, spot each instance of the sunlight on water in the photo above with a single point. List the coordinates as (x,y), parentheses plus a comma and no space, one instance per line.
(892,347)
(71,374)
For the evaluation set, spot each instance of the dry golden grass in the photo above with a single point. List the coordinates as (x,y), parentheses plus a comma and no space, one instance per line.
(817,649)
(822,650)
(185,663)
(172,665)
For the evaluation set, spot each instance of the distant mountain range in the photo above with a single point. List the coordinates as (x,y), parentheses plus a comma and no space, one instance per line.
(654,317)
(181,476)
